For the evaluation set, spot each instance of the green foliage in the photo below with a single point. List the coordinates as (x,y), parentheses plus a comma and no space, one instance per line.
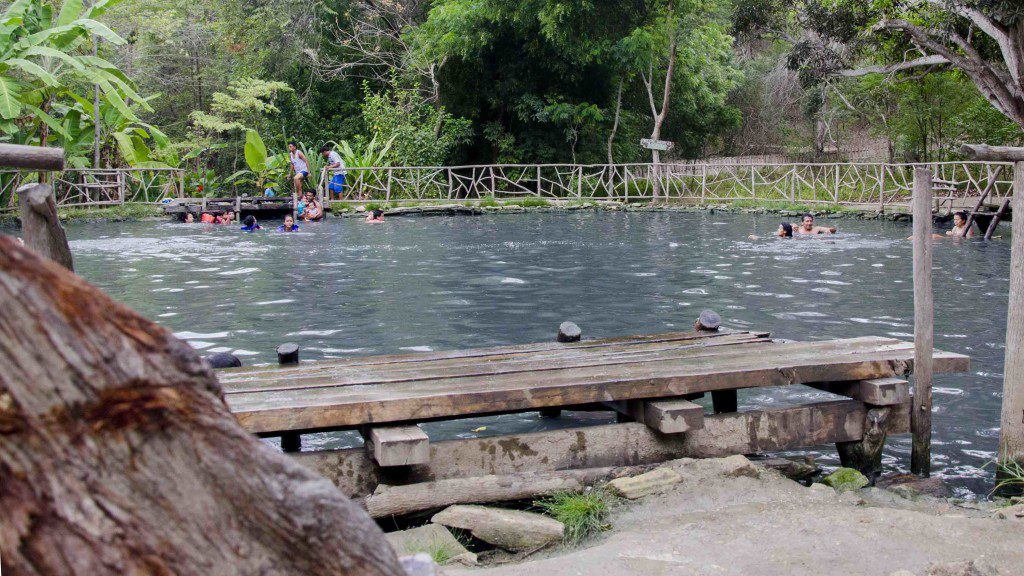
(264,168)
(1009,477)
(245,106)
(418,133)
(372,154)
(529,202)
(582,513)
(121,213)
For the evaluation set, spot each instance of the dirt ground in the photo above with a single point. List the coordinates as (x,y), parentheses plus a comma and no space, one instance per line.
(769,525)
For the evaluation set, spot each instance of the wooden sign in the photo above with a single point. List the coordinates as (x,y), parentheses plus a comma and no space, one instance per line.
(662,145)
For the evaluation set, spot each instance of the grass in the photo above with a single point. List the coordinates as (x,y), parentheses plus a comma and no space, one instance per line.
(488,202)
(1009,477)
(582,513)
(113,213)
(786,206)
(529,202)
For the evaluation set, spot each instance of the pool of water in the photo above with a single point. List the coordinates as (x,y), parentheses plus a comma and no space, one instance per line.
(343,288)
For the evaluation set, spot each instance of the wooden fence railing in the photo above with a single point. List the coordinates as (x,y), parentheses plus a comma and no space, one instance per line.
(830,183)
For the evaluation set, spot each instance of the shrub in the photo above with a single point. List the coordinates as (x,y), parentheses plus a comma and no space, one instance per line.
(582,513)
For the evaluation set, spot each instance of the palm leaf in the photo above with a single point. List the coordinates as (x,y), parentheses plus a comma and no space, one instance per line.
(10,98)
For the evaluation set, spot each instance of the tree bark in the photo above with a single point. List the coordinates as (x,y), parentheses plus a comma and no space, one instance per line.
(615,123)
(1011,436)
(119,455)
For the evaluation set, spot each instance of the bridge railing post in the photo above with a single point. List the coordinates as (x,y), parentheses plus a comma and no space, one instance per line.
(924,316)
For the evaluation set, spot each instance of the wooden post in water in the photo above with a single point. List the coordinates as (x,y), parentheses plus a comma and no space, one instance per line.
(288,355)
(1011,439)
(921,417)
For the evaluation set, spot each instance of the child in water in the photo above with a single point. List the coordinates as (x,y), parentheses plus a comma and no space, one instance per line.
(289,225)
(375,216)
(250,224)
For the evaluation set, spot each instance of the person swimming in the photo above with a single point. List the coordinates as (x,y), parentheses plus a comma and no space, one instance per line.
(249,224)
(188,218)
(289,225)
(376,215)
(785,230)
(960,229)
(807,227)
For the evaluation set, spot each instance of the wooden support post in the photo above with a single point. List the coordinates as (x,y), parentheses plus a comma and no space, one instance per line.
(724,401)
(921,422)
(40,225)
(288,353)
(291,442)
(865,455)
(1011,438)
(876,392)
(668,416)
(397,445)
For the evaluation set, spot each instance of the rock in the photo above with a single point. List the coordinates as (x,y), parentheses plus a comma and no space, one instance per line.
(852,498)
(1015,512)
(793,468)
(822,489)
(961,568)
(223,360)
(429,539)
(845,479)
(419,565)
(910,486)
(708,320)
(512,530)
(736,466)
(644,484)
(568,332)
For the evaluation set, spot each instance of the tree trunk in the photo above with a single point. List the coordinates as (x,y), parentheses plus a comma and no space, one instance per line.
(615,123)
(40,225)
(119,455)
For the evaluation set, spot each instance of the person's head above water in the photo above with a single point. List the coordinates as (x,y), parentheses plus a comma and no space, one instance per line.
(378,213)
(250,221)
(785,230)
(959,219)
(807,221)
(288,222)
(189,218)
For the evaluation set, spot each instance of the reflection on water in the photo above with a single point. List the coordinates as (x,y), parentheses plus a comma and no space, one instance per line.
(343,288)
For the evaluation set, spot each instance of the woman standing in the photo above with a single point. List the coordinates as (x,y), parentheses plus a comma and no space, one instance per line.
(300,166)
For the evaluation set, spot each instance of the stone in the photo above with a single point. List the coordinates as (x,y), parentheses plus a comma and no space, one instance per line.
(852,498)
(430,539)
(845,480)
(419,565)
(910,486)
(568,332)
(821,489)
(512,530)
(798,469)
(1015,512)
(223,360)
(961,568)
(644,484)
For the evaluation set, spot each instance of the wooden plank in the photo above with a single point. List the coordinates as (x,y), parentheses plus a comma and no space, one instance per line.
(877,391)
(31,157)
(992,153)
(924,324)
(612,445)
(668,416)
(233,375)
(398,445)
(492,366)
(786,363)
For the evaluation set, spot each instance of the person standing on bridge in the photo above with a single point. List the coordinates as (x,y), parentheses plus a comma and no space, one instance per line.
(337,167)
(299,166)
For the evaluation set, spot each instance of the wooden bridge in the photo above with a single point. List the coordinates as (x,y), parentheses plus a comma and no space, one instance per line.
(650,380)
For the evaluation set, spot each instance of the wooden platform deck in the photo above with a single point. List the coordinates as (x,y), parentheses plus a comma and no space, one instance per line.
(411,388)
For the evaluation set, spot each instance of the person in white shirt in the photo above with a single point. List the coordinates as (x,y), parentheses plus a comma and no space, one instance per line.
(337,167)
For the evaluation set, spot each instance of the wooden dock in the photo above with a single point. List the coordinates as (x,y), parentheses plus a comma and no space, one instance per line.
(649,380)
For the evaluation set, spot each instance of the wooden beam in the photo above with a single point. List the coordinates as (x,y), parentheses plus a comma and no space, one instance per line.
(31,157)
(610,445)
(924,329)
(397,445)
(993,153)
(668,416)
(877,391)
(1011,436)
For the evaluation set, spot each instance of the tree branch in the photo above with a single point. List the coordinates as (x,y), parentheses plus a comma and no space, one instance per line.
(931,60)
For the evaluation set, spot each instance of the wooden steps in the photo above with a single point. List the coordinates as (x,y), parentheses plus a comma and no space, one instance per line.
(409,388)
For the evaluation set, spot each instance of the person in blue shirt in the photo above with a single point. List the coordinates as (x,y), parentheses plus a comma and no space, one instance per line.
(289,225)
(250,224)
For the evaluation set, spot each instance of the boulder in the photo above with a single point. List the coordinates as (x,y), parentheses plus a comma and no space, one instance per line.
(644,484)
(512,530)
(910,486)
(961,568)
(432,539)
(799,469)
(419,565)
(1015,512)
(845,479)
(821,489)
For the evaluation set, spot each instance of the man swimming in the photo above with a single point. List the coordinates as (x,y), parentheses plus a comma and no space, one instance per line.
(807,227)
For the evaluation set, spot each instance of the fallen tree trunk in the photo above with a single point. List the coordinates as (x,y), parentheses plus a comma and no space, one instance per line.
(397,500)
(119,456)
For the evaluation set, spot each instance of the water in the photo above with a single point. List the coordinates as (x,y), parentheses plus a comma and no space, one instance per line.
(343,288)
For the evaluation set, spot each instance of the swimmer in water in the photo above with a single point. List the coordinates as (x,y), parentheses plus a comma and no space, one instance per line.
(785,231)
(375,216)
(960,229)
(807,227)
(189,218)
(249,224)
(289,225)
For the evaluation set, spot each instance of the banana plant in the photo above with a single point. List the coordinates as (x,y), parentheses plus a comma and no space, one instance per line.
(369,156)
(263,167)
(44,58)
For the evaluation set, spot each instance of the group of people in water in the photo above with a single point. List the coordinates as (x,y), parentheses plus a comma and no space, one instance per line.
(807,227)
